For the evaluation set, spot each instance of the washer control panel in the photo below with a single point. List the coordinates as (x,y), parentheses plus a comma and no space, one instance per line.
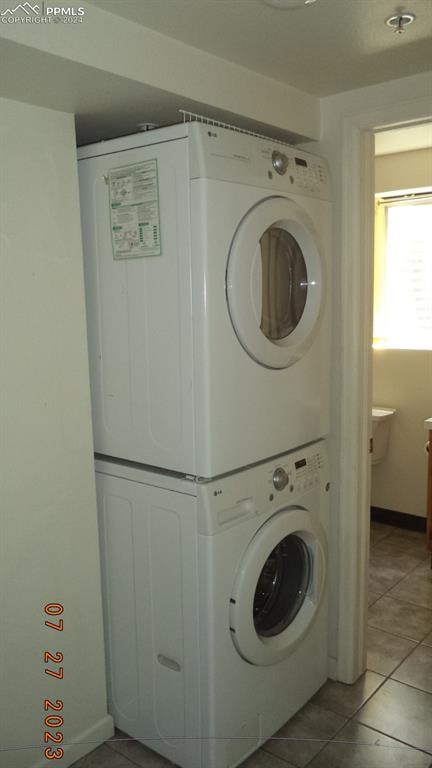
(297,472)
(307,471)
(254,491)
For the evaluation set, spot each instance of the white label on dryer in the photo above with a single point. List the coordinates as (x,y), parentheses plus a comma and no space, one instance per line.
(134,210)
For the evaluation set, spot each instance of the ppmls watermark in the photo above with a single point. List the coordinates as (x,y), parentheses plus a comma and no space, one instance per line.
(26,13)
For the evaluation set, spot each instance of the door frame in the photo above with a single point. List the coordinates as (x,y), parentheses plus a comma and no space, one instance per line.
(351,445)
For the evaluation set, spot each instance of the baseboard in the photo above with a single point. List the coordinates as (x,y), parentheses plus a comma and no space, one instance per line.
(86,742)
(398,519)
(332,668)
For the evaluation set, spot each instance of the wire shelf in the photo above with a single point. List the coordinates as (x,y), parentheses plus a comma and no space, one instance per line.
(193,117)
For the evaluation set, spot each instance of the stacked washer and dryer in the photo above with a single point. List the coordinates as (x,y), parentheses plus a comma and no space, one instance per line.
(206,259)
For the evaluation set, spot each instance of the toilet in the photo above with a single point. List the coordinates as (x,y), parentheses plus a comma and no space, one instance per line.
(381,421)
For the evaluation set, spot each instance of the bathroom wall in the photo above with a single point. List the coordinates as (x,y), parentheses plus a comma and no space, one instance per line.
(403,170)
(402,378)
(48,541)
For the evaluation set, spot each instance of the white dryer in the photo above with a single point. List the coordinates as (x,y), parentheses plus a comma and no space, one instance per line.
(206,258)
(215,603)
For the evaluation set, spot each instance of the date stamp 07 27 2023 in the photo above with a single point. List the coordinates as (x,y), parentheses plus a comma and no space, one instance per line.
(53,721)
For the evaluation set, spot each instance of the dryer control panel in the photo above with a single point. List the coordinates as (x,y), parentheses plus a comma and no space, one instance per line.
(218,153)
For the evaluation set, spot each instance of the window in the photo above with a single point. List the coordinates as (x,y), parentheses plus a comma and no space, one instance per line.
(403,272)
(282,586)
(284,283)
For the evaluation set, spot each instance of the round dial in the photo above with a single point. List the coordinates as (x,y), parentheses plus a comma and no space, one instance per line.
(280,478)
(279,162)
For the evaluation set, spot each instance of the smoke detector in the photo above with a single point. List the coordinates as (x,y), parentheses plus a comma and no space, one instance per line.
(399,21)
(285,5)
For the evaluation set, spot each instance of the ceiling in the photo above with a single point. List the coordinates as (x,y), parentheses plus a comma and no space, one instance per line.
(105,104)
(403,139)
(323,48)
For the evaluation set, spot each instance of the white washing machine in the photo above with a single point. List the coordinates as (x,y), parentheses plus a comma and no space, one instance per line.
(206,258)
(215,603)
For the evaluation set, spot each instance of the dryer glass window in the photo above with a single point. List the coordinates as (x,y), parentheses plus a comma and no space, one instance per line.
(284,283)
(282,586)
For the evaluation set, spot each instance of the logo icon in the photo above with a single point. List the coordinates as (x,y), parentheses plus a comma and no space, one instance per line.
(22,8)
(26,13)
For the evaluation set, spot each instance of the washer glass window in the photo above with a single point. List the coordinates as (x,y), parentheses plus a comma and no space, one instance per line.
(284,283)
(282,586)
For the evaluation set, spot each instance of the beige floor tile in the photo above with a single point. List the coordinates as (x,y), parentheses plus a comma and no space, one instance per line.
(379,584)
(398,543)
(400,618)
(407,535)
(139,754)
(402,562)
(359,747)
(428,640)
(378,532)
(263,759)
(103,757)
(386,570)
(401,712)
(425,566)
(386,651)
(415,588)
(344,699)
(373,596)
(304,735)
(416,670)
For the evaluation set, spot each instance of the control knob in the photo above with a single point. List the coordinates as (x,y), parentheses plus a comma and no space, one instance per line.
(279,162)
(280,478)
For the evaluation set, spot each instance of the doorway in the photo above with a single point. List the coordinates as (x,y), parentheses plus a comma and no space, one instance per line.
(399,581)
(349,123)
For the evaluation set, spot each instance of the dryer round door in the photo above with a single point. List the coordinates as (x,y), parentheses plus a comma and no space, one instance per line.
(275,282)
(278,587)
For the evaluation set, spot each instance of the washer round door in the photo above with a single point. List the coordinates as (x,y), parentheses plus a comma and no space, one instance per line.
(275,282)
(278,587)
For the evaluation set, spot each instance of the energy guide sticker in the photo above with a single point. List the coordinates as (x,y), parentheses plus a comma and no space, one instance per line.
(134,210)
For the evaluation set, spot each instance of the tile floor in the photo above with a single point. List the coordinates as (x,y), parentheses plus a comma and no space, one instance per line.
(384,720)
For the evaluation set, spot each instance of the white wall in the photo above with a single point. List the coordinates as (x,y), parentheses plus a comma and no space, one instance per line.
(49,543)
(402,378)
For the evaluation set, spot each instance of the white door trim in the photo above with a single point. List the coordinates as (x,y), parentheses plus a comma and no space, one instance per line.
(355,343)
(356,331)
